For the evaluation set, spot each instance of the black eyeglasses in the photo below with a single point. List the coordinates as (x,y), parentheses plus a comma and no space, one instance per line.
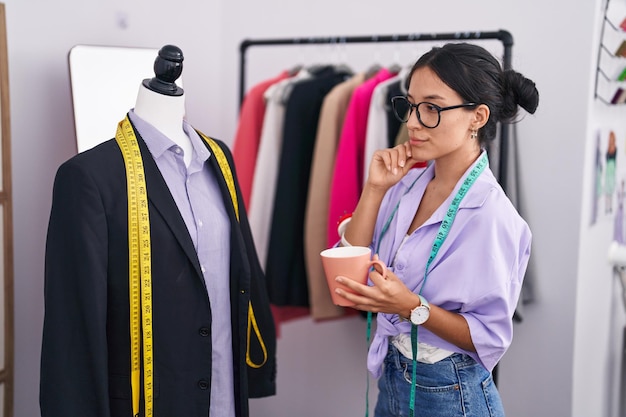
(428,114)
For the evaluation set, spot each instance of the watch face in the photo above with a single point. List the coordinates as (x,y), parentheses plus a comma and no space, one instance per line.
(420,315)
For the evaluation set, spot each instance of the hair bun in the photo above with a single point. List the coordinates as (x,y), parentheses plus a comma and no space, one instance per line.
(518,90)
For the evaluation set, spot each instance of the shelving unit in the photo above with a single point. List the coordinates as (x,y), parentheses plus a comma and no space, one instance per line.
(610,85)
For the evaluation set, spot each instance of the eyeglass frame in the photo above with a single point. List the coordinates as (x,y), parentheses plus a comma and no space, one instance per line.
(416,105)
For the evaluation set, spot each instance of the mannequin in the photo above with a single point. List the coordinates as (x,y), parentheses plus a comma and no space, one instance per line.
(205,277)
(161,102)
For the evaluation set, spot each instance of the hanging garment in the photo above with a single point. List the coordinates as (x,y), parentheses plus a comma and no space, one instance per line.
(266,168)
(285,268)
(394,126)
(331,119)
(511,161)
(248,134)
(347,181)
(376,131)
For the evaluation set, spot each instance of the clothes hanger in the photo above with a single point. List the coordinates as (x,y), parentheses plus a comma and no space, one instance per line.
(376,66)
(395,66)
(294,70)
(340,56)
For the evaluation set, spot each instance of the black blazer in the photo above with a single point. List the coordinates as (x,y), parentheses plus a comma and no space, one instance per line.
(85,359)
(285,267)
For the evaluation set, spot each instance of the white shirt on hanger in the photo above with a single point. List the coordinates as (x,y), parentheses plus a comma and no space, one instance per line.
(376,130)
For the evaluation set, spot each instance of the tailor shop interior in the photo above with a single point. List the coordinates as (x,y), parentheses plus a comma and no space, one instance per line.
(301,150)
(302,146)
(318,159)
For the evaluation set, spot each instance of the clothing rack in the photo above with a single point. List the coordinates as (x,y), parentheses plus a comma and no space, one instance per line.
(502,35)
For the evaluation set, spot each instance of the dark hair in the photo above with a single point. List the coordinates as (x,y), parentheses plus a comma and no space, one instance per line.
(476,75)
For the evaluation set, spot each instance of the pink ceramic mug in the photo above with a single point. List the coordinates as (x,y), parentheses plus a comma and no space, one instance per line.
(352,262)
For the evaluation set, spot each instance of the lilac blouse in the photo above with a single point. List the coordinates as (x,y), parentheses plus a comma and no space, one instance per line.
(478,271)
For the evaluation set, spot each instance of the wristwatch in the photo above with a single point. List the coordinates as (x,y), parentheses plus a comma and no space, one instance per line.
(421,313)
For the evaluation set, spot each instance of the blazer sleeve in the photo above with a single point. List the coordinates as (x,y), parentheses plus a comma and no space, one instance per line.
(74,376)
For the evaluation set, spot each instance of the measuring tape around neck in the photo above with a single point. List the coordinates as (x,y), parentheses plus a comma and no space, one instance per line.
(140,264)
(139,257)
(441,236)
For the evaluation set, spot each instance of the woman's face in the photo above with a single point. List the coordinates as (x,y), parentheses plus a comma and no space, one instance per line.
(452,135)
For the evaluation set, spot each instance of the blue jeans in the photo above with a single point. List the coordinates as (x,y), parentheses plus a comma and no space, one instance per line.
(456,386)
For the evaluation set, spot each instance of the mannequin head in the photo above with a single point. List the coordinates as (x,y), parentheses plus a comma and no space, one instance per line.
(168,66)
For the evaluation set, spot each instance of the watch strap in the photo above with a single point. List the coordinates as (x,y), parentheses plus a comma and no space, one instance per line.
(421,312)
(423,301)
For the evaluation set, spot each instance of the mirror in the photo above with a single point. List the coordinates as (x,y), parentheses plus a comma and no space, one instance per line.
(105,81)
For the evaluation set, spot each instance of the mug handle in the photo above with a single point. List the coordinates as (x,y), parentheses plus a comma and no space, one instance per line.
(379,266)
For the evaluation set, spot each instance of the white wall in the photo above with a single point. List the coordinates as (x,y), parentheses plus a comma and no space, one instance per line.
(553,46)
(599,319)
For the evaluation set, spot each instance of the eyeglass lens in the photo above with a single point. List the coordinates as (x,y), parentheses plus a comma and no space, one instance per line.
(427,114)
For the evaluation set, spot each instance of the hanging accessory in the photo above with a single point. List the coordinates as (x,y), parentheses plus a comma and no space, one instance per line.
(474,134)
(140,263)
(368,332)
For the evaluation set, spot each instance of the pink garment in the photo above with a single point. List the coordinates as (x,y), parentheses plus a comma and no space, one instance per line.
(246,141)
(347,180)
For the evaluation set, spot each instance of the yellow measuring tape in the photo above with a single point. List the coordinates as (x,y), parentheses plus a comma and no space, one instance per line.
(228,176)
(140,263)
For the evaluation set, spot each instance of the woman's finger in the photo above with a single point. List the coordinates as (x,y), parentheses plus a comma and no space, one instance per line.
(352,284)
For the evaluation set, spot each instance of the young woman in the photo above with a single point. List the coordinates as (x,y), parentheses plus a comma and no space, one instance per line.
(455,246)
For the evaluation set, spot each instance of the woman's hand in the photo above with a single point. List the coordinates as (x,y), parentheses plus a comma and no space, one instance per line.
(390,295)
(388,166)
(387,295)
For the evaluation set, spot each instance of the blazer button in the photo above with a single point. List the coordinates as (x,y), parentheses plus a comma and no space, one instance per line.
(204,331)
(203,384)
